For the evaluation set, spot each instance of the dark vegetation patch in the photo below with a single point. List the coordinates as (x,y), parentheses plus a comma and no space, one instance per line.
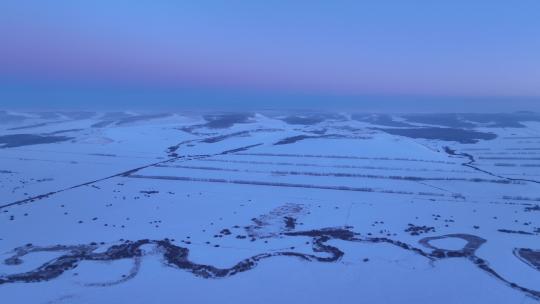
(148,192)
(418,230)
(504,120)
(29,126)
(218,138)
(241,149)
(532,208)
(102,124)
(380,119)
(297,138)
(441,119)
(137,118)
(290,222)
(215,139)
(515,231)
(472,120)
(19,140)
(121,118)
(222,121)
(317,131)
(225,232)
(504,165)
(303,120)
(293,139)
(103,154)
(521,198)
(529,256)
(64,131)
(310,119)
(447,134)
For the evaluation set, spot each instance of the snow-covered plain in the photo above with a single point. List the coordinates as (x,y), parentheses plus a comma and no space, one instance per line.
(269,207)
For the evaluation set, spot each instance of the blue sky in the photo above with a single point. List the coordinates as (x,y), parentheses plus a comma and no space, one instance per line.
(265,53)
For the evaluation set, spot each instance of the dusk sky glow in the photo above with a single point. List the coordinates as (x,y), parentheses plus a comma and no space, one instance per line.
(473,49)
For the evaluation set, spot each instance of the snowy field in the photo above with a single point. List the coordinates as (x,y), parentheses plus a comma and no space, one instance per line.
(269,207)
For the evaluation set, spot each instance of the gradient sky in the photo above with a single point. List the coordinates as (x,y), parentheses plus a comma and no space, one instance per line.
(149,51)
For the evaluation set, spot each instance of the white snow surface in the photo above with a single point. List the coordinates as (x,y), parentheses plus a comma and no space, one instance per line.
(258,187)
